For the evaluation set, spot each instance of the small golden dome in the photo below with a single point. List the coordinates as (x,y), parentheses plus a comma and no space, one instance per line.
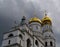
(34,19)
(46,20)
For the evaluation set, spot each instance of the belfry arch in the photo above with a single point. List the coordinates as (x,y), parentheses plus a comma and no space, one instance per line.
(36,43)
(28,43)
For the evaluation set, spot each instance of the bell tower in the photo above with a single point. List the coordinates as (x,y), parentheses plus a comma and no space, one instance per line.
(49,38)
(35,26)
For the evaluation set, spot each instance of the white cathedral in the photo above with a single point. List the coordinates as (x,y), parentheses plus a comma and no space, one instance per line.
(34,33)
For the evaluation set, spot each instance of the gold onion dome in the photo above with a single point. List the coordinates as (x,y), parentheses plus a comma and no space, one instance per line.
(46,19)
(34,19)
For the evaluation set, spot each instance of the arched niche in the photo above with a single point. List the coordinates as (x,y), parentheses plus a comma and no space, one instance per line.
(28,43)
(36,43)
(10,35)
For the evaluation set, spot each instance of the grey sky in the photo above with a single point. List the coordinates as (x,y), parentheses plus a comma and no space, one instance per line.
(11,10)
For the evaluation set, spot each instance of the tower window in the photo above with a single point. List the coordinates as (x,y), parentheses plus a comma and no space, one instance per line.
(36,42)
(20,36)
(28,43)
(9,42)
(45,43)
(51,44)
(36,27)
(20,41)
(41,46)
(10,35)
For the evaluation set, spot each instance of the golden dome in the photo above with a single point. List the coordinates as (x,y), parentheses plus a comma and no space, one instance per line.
(34,19)
(46,19)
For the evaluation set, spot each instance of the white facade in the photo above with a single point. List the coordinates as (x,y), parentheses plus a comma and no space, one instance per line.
(29,35)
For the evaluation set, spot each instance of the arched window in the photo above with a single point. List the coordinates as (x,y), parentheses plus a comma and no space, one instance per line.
(9,42)
(41,46)
(10,35)
(36,42)
(36,27)
(20,36)
(45,43)
(51,44)
(28,43)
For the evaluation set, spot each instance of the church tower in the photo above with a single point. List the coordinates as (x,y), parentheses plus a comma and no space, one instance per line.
(35,26)
(48,33)
(15,37)
(34,33)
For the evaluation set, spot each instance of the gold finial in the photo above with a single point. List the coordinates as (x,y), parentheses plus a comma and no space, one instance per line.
(34,14)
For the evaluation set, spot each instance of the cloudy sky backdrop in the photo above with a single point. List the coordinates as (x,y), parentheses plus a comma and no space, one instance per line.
(13,10)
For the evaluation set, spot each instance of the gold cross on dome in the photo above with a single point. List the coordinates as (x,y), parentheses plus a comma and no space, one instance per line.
(45,13)
(34,14)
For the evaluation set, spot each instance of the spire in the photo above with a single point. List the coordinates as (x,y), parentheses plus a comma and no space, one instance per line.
(23,20)
(34,14)
(46,19)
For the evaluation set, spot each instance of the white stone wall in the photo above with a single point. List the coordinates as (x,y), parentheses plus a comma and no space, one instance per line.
(47,34)
(15,33)
(14,39)
(33,26)
(40,44)
(48,41)
(17,39)
(27,36)
(23,41)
